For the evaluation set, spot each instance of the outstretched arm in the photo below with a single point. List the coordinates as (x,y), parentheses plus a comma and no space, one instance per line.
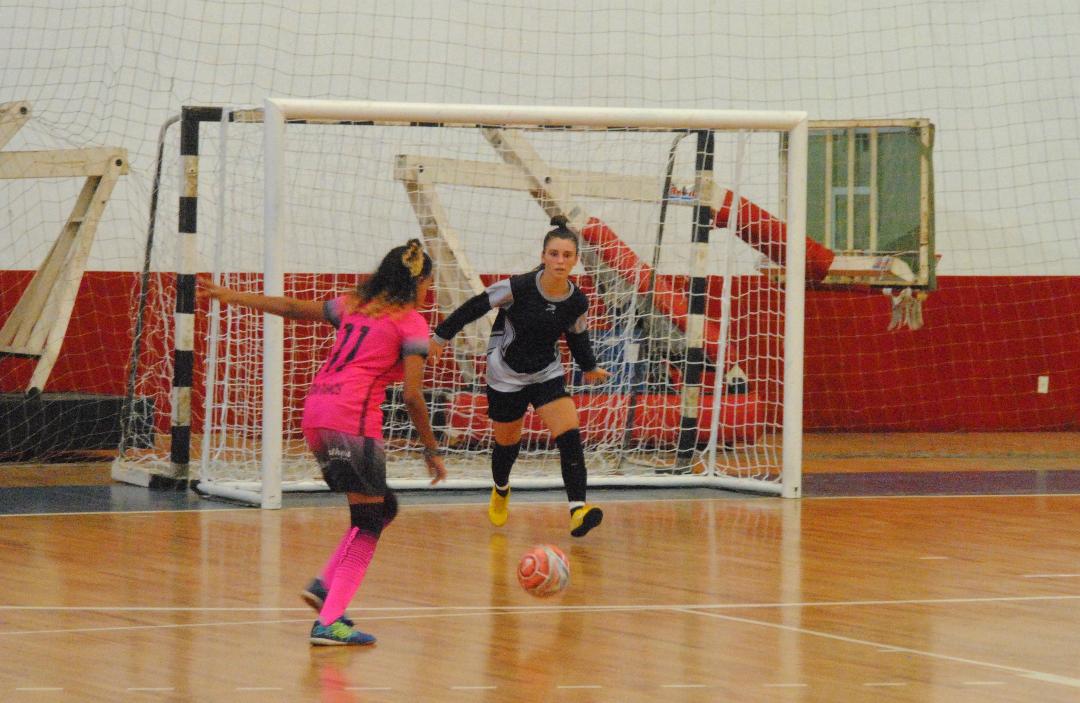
(497,295)
(469,311)
(276,305)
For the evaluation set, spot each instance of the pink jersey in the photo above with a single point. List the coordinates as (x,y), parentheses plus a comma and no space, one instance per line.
(348,390)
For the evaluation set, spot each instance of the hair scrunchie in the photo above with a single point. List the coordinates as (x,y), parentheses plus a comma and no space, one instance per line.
(413,258)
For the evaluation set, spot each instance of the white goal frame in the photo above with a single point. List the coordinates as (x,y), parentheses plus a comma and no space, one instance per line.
(277,112)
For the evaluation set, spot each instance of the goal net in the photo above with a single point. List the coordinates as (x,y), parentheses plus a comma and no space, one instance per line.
(692,250)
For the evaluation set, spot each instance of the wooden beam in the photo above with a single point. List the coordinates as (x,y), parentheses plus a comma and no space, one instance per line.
(455,278)
(62,163)
(36,326)
(900,124)
(874,269)
(556,196)
(12,117)
(84,221)
(580,184)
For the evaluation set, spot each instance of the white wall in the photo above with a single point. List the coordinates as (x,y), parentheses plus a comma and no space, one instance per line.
(998,79)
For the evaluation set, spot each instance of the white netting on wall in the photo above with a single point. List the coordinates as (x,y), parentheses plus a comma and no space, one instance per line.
(995,79)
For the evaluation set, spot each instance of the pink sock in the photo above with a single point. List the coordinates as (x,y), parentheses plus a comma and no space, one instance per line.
(335,558)
(348,575)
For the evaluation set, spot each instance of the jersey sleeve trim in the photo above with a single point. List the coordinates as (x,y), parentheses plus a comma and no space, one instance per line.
(500,294)
(414,336)
(332,310)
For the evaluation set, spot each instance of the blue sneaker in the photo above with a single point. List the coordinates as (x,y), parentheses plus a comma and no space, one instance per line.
(338,632)
(315,595)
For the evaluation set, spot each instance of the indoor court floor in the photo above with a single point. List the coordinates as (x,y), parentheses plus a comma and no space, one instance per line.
(937,580)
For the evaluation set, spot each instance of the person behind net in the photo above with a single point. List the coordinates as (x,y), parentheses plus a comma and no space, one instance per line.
(524,367)
(381,339)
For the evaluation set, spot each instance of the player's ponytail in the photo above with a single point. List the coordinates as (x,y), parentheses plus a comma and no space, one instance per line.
(395,281)
(559,222)
(561,231)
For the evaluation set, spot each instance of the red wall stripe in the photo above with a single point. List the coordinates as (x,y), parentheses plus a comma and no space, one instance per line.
(973,367)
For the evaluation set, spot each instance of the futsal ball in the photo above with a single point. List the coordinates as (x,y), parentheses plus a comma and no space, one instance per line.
(544,570)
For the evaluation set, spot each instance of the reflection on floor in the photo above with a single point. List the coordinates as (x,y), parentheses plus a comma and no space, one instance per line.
(834,464)
(24,500)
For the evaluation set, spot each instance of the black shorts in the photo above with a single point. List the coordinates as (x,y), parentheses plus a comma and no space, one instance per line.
(509,407)
(349,463)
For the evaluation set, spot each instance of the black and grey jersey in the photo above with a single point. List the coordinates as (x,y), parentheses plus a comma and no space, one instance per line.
(523,348)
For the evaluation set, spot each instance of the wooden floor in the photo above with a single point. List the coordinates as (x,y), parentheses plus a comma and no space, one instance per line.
(907,452)
(727,599)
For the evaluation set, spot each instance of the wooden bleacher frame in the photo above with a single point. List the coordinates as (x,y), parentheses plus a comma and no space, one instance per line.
(36,326)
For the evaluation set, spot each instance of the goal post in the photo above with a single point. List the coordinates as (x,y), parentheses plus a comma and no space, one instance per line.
(330,186)
(794,313)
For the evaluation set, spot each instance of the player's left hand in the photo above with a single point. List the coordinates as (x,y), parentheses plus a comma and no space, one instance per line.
(207,290)
(597,375)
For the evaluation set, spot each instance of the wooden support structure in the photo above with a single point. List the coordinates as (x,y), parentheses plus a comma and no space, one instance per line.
(846,268)
(12,117)
(554,191)
(455,279)
(37,324)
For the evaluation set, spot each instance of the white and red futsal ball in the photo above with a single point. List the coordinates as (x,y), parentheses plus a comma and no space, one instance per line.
(544,570)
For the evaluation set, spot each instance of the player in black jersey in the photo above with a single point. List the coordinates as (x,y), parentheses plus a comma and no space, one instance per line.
(524,367)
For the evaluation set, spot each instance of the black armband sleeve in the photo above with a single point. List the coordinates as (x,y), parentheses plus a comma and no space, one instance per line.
(472,309)
(581,349)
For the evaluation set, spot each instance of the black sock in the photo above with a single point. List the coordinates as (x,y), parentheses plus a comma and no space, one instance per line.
(572,458)
(502,460)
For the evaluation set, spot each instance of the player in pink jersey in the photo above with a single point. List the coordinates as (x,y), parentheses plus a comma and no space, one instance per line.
(381,339)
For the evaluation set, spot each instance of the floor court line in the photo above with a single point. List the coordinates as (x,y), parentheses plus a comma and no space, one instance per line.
(434,612)
(1028,673)
(1053,678)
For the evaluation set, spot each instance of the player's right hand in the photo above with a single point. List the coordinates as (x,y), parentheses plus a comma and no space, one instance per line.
(435,350)
(436,468)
